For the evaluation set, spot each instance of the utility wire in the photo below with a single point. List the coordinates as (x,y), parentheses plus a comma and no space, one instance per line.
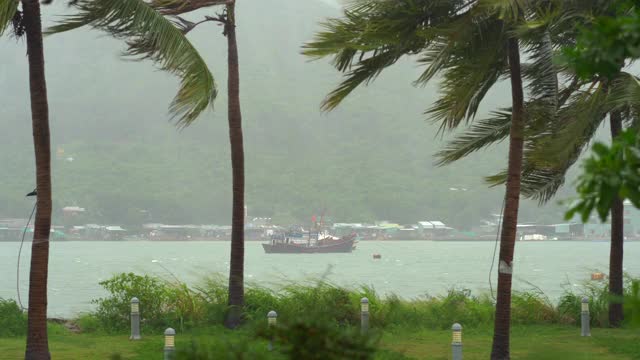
(495,246)
(24,233)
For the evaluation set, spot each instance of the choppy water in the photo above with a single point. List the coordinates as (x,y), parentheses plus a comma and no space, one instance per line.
(407,268)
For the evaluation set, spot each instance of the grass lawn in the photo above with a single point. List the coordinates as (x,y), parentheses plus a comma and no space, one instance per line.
(528,342)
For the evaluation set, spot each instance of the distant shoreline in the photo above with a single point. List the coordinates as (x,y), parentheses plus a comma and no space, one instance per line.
(386,240)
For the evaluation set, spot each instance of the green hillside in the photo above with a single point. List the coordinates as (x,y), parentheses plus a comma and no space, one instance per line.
(370,159)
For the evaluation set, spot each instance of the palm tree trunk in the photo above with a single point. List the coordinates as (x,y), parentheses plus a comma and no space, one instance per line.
(616,314)
(236,271)
(500,350)
(37,340)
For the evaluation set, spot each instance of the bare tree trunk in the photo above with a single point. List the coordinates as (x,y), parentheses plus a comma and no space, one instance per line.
(37,340)
(236,272)
(500,350)
(616,314)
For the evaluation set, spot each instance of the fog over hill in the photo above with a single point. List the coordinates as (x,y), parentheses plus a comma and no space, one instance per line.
(370,159)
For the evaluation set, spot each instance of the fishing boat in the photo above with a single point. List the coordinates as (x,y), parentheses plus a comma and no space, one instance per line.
(324,243)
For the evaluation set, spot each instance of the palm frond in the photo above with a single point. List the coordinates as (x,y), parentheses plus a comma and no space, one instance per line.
(447,41)
(374,34)
(149,35)
(576,125)
(542,74)
(365,72)
(179,7)
(481,133)
(552,148)
(472,66)
(535,183)
(538,181)
(435,58)
(624,94)
(507,10)
(8,9)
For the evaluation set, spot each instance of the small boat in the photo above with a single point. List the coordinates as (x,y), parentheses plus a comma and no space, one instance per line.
(377,256)
(327,244)
(597,276)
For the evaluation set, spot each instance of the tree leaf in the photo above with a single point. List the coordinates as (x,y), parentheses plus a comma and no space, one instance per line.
(150,35)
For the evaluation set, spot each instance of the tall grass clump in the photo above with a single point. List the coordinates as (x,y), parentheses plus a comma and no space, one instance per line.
(320,300)
(214,292)
(13,321)
(434,312)
(599,298)
(534,307)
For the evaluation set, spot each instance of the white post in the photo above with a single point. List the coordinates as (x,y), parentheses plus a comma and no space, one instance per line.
(364,315)
(456,342)
(272,320)
(135,319)
(169,344)
(585,318)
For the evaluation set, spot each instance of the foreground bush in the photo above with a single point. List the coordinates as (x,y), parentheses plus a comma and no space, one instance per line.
(163,303)
(174,304)
(314,338)
(13,322)
(113,311)
(301,338)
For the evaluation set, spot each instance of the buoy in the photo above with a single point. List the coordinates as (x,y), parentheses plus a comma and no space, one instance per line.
(377,256)
(597,276)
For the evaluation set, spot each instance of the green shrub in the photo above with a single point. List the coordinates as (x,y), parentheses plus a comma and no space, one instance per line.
(162,304)
(227,346)
(113,311)
(13,322)
(320,338)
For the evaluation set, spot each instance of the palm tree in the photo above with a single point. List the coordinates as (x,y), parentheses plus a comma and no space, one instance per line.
(552,147)
(151,36)
(502,325)
(236,271)
(616,252)
(175,8)
(28,21)
(472,44)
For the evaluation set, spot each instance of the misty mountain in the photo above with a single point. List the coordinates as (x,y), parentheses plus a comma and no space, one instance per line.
(117,154)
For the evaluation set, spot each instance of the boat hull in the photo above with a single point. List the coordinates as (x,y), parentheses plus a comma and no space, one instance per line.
(338,246)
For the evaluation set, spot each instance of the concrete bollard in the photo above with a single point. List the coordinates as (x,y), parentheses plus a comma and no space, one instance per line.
(364,315)
(585,318)
(272,320)
(169,344)
(456,342)
(135,319)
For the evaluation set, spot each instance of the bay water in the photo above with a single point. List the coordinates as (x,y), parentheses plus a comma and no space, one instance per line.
(408,269)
